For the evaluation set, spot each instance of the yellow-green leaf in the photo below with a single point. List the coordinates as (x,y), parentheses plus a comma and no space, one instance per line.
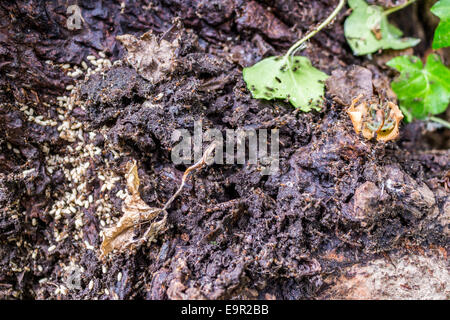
(293,79)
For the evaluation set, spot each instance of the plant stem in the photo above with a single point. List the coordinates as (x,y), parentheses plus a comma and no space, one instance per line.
(313,32)
(440,121)
(392,10)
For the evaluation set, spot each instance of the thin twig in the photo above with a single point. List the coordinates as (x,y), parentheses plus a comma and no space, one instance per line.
(298,44)
(395,9)
(195,166)
(156,226)
(440,121)
(313,32)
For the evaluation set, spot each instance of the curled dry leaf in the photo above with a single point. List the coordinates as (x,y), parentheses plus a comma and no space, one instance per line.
(380,120)
(357,114)
(152,58)
(135,212)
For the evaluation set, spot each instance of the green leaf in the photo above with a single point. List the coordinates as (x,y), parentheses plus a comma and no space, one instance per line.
(294,79)
(367,30)
(442,33)
(421,90)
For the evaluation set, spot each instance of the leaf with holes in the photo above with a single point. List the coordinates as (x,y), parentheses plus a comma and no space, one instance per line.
(293,79)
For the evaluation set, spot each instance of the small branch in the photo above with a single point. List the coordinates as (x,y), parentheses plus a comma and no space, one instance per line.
(155,227)
(440,121)
(395,9)
(195,166)
(316,30)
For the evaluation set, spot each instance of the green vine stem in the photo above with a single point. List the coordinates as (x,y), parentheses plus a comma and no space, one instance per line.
(313,32)
(440,121)
(392,10)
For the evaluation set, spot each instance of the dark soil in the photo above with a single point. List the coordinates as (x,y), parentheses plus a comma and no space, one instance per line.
(233,233)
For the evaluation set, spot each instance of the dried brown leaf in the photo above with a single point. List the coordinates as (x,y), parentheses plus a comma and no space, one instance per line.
(357,115)
(152,58)
(135,212)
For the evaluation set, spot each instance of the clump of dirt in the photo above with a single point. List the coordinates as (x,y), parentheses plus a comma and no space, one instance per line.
(232,232)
